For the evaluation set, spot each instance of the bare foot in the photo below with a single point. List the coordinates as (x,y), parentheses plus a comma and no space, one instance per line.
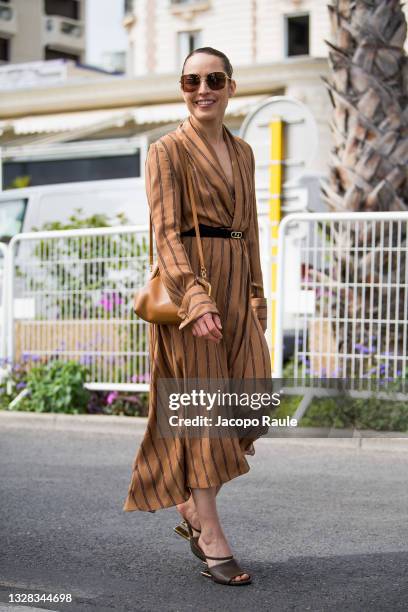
(188,511)
(217,546)
(250,450)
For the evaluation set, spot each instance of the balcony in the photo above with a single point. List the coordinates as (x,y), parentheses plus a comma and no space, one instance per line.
(187,8)
(64,33)
(8,18)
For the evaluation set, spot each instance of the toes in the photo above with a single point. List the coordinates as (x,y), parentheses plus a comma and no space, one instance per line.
(241,577)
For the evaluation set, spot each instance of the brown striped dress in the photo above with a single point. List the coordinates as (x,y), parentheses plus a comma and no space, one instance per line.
(165,469)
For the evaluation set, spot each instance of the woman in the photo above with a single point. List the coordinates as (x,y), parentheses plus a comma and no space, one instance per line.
(221,335)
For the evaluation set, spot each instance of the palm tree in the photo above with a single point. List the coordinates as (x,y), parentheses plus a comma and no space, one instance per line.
(368,89)
(369,93)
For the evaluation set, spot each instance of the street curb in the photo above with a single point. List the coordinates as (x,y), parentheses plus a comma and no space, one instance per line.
(107,424)
(92,423)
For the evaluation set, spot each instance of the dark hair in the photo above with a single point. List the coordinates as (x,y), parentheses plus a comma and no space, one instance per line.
(212,51)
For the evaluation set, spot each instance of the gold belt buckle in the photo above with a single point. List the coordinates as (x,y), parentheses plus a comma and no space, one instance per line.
(236,234)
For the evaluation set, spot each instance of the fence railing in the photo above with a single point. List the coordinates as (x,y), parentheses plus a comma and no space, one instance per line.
(70,297)
(4,266)
(345,285)
(342,293)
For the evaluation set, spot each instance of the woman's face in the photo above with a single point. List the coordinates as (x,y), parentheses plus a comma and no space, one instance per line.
(203,64)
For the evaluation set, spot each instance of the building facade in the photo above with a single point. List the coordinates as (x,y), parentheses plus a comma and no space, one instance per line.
(36,30)
(162,32)
(277,47)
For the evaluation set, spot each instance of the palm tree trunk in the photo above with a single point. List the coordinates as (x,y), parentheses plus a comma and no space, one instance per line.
(368,89)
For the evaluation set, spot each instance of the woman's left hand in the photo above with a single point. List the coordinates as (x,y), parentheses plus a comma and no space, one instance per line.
(208,326)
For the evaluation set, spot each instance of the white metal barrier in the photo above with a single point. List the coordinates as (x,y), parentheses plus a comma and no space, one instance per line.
(345,286)
(342,291)
(4,266)
(265,247)
(70,297)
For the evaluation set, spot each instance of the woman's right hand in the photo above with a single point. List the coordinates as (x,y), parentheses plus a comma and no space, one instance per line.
(208,326)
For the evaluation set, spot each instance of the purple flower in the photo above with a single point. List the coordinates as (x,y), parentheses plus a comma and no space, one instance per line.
(362,349)
(85,359)
(21,385)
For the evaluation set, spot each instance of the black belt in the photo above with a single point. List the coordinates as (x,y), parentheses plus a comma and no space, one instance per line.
(214,232)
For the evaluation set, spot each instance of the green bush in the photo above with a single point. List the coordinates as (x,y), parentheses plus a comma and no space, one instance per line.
(56,387)
(346,412)
(371,413)
(59,387)
(381,415)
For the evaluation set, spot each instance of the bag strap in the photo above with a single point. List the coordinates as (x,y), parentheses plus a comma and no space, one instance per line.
(194,210)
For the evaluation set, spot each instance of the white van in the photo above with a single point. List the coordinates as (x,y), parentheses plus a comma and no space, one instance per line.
(101,176)
(27,209)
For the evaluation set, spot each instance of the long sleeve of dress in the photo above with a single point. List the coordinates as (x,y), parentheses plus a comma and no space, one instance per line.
(258,300)
(184,287)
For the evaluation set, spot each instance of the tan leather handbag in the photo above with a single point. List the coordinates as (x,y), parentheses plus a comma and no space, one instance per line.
(152,302)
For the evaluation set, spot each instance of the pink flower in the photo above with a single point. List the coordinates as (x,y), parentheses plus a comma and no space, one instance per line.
(108,301)
(140,378)
(111,397)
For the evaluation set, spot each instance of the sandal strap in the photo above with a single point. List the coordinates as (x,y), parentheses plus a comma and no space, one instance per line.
(190,527)
(219,558)
(225,572)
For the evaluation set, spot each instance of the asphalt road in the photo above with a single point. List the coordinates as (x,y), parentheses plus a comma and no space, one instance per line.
(320,528)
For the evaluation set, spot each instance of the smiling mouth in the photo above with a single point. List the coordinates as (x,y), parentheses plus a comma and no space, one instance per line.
(203,103)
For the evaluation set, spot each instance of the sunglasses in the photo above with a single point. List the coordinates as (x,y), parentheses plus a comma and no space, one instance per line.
(214,80)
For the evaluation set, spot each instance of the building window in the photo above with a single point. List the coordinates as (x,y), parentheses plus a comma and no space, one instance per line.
(187,42)
(297,35)
(4,50)
(129,7)
(52,54)
(63,8)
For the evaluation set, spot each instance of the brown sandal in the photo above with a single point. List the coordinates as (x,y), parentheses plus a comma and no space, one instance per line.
(185,530)
(182,530)
(223,573)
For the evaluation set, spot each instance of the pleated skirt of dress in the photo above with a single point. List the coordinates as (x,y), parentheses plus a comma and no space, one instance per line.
(165,469)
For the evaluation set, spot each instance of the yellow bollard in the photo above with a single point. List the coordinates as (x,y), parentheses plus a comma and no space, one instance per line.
(275,198)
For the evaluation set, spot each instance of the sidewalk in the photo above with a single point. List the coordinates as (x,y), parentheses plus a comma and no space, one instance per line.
(309,436)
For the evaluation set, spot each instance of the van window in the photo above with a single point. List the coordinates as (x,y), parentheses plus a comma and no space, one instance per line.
(11,218)
(75,170)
